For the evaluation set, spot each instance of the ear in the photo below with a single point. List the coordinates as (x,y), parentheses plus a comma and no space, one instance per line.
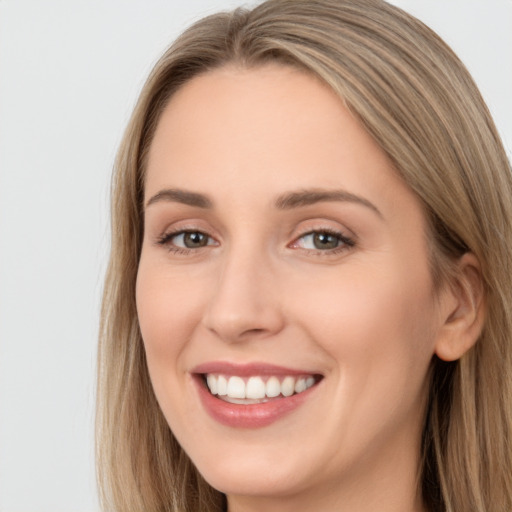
(464,310)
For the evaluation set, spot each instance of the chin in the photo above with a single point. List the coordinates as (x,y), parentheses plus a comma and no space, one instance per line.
(253,480)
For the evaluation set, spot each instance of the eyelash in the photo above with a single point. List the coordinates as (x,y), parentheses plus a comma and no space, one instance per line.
(166,240)
(345,243)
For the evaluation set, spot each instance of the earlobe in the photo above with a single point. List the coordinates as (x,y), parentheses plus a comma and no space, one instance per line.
(465,311)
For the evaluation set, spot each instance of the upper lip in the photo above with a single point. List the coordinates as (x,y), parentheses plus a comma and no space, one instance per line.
(248,369)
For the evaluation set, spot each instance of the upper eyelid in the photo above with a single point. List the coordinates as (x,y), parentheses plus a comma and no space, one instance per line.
(346,240)
(343,233)
(168,235)
(177,228)
(345,244)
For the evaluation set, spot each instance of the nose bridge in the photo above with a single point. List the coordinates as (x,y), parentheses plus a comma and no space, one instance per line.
(244,302)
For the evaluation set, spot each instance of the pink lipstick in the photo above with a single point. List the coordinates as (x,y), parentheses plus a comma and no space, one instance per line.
(252,395)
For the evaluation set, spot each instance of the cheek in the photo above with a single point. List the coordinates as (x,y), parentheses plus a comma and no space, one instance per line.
(374,321)
(169,309)
(376,329)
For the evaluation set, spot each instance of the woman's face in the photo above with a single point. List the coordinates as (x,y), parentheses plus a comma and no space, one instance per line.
(282,254)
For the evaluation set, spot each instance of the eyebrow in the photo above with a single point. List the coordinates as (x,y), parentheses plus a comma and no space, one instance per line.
(175,195)
(288,201)
(309,197)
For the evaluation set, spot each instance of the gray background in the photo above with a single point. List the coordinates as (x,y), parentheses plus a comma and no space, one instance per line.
(70,71)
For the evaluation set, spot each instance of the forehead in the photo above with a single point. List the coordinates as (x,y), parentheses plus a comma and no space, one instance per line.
(235,131)
(232,107)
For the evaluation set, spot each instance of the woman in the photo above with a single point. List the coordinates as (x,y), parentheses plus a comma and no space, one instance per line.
(308,300)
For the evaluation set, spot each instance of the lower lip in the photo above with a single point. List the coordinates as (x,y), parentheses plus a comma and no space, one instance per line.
(251,415)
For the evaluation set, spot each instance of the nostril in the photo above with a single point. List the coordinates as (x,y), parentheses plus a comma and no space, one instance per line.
(253,332)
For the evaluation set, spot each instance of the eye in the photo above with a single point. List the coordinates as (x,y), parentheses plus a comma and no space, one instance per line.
(186,240)
(323,240)
(190,239)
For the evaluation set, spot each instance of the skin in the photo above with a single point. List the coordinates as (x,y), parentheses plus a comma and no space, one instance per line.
(365,316)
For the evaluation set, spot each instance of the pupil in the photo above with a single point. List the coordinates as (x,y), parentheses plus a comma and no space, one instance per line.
(195,239)
(325,241)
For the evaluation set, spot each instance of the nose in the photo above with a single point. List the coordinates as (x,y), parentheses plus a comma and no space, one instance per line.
(245,301)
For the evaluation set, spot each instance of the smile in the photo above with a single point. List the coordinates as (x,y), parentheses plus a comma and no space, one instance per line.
(256,389)
(252,395)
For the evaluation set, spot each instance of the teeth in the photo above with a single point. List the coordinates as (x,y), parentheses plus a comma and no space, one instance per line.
(255,387)
(288,386)
(236,387)
(273,387)
(212,384)
(222,386)
(300,385)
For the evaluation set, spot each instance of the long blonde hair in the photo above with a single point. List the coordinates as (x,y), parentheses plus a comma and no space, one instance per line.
(417,100)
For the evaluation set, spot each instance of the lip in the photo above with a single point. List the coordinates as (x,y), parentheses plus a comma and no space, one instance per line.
(248,415)
(248,369)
